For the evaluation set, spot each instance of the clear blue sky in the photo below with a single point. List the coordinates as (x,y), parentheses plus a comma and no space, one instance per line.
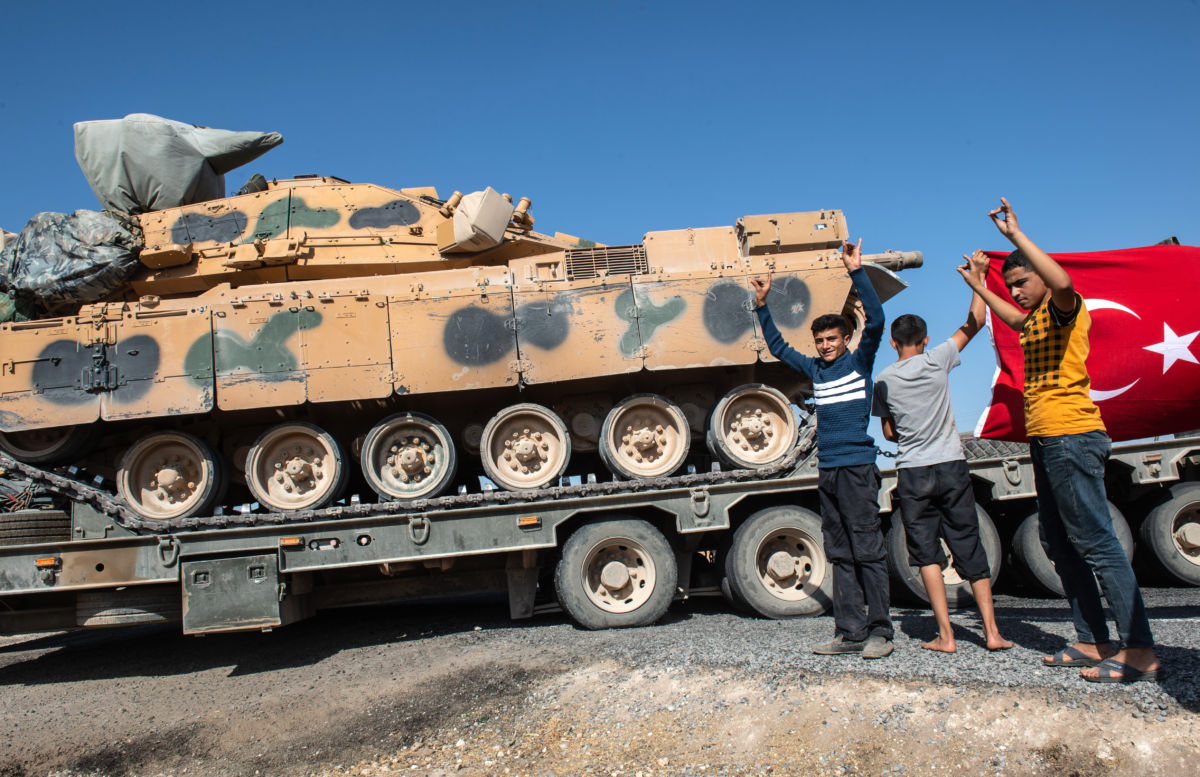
(618,118)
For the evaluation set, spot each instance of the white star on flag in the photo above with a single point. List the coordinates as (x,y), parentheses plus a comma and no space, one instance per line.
(1174,347)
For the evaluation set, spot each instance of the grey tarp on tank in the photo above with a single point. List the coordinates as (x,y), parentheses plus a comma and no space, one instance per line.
(78,258)
(144,162)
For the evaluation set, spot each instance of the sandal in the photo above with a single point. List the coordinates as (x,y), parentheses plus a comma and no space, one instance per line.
(1070,656)
(1113,671)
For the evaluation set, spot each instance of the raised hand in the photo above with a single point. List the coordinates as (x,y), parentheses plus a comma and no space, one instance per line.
(975,269)
(761,288)
(852,255)
(1005,220)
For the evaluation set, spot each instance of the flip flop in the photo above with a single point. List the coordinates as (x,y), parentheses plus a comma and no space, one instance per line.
(1113,671)
(1070,656)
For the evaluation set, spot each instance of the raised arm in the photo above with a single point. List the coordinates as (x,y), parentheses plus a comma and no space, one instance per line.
(977,266)
(974,272)
(872,308)
(1062,290)
(778,347)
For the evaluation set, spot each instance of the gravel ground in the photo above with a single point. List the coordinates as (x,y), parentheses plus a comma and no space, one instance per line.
(459,689)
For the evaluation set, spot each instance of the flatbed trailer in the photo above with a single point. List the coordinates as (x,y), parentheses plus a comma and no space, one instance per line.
(613,553)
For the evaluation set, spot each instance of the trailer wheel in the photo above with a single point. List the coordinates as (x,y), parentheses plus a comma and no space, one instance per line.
(1172,531)
(616,573)
(958,591)
(1032,560)
(777,565)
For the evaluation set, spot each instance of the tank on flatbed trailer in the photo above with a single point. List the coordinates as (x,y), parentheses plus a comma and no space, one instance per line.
(268,339)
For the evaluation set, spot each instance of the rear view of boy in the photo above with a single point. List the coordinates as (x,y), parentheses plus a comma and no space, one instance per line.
(912,399)
(847,478)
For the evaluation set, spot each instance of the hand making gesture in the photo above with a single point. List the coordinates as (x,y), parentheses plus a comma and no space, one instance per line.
(1006,222)
(761,288)
(974,271)
(852,255)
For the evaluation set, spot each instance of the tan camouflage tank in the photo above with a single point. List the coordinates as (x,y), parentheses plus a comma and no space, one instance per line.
(280,339)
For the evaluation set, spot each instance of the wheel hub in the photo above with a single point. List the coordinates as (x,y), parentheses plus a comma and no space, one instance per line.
(614,576)
(781,565)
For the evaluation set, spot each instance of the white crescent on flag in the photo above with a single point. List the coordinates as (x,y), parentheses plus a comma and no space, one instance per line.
(1099,395)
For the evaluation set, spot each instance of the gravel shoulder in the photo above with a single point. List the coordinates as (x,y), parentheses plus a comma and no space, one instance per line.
(459,689)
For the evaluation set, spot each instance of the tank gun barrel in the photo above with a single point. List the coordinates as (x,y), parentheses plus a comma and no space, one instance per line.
(896,260)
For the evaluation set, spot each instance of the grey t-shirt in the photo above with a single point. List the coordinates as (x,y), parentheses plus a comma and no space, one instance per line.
(915,393)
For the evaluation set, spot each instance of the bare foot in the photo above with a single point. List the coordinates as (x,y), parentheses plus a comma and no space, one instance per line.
(1141,659)
(997,642)
(941,645)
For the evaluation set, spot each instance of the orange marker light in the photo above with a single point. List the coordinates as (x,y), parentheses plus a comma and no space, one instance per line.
(529,522)
(46,563)
(291,542)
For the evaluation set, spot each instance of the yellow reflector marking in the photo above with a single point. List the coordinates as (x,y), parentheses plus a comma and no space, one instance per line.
(46,562)
(290,542)
(529,520)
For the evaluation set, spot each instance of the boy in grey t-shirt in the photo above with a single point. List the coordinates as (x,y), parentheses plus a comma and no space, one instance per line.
(912,399)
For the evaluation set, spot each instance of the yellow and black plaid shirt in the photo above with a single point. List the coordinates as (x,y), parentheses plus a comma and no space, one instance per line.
(1057,400)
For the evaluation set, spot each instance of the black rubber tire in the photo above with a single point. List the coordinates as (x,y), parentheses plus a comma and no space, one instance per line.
(26,527)
(76,442)
(906,579)
(569,574)
(1158,529)
(742,563)
(1036,567)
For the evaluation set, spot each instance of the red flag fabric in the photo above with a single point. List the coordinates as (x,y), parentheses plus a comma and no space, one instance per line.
(1145,339)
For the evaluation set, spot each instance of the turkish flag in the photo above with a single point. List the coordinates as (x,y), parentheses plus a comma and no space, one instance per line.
(1143,359)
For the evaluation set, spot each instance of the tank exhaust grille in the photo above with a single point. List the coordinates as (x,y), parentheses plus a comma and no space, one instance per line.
(606,260)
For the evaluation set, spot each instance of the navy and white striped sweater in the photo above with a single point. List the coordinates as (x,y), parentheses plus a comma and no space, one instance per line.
(842,390)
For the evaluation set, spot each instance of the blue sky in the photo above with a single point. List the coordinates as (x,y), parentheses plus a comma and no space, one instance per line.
(619,118)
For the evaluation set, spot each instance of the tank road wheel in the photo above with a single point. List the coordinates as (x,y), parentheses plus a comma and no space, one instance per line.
(295,466)
(56,445)
(907,578)
(776,563)
(1172,531)
(170,475)
(752,427)
(525,446)
(1037,567)
(616,573)
(644,436)
(408,456)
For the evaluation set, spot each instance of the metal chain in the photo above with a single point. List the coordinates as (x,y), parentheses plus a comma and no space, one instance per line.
(115,507)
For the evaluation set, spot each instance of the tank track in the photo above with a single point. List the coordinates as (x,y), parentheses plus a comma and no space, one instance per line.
(77,490)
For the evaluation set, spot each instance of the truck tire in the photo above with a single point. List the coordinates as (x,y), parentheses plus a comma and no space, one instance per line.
(25,527)
(906,578)
(1172,532)
(616,573)
(1036,566)
(777,566)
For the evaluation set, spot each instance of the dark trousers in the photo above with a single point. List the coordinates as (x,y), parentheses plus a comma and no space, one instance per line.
(854,547)
(936,502)
(1078,536)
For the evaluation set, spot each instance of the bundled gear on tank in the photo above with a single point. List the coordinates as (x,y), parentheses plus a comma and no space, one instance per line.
(59,258)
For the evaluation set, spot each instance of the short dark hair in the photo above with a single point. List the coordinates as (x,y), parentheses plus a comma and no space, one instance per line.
(831,321)
(909,329)
(1014,260)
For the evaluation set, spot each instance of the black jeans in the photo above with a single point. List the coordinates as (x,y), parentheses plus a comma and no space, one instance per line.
(854,547)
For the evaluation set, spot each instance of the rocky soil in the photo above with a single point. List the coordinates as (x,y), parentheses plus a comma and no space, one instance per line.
(458,689)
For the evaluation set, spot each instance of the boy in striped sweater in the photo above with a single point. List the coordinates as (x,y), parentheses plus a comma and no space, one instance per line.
(848,480)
